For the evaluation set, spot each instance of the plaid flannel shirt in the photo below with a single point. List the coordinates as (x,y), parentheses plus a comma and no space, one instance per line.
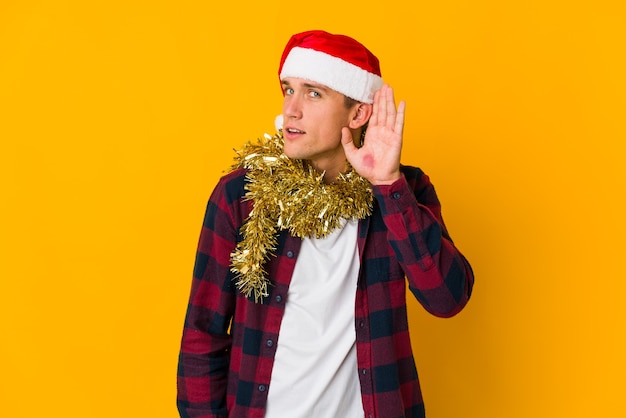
(229,342)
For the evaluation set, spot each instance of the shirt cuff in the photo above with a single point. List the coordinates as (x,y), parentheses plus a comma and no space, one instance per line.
(393,197)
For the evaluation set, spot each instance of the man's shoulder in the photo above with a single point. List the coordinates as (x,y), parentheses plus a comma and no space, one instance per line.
(410,171)
(234,177)
(232,184)
(417,179)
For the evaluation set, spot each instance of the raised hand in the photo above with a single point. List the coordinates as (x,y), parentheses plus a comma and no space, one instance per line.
(378,160)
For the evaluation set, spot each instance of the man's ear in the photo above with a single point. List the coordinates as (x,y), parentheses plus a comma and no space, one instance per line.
(363,112)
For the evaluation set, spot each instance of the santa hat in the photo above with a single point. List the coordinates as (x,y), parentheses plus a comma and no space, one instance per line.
(336,61)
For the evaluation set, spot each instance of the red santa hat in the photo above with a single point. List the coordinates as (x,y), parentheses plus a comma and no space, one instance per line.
(336,61)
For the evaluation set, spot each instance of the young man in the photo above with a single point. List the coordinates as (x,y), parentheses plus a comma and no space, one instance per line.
(298,305)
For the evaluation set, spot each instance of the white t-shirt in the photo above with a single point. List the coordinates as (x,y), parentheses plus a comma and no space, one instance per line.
(315,368)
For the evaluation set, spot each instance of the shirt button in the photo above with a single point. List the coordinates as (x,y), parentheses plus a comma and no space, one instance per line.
(269,343)
(361,324)
(290,254)
(262,388)
(363,371)
(278,298)
(396,195)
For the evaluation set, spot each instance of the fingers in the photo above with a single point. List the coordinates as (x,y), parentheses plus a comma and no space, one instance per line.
(384,111)
(390,108)
(383,103)
(374,117)
(399,124)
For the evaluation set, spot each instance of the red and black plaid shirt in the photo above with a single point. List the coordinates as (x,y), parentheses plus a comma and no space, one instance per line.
(229,342)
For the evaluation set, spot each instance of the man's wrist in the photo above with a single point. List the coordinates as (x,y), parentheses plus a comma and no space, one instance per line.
(388,180)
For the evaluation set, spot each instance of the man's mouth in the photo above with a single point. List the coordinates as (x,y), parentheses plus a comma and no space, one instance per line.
(294,131)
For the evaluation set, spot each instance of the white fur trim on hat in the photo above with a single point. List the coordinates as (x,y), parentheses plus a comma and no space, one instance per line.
(332,72)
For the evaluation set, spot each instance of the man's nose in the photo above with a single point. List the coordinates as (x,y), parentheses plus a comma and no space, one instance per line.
(292,107)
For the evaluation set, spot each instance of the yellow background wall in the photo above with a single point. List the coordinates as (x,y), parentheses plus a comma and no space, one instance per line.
(118,117)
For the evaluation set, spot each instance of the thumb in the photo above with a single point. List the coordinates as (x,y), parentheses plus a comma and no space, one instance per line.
(347,142)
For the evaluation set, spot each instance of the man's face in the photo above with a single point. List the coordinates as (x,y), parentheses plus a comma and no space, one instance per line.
(313,116)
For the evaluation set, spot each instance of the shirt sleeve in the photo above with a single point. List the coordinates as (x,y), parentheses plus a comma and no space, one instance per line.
(439,276)
(206,342)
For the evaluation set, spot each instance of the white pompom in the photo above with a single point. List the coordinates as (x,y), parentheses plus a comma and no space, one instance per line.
(278,122)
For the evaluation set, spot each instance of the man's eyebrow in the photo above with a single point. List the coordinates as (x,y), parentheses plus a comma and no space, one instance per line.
(316,86)
(307,85)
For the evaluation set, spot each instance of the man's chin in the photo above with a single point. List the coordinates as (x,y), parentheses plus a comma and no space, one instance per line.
(292,154)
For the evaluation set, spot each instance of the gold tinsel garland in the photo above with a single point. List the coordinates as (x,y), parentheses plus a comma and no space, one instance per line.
(288,194)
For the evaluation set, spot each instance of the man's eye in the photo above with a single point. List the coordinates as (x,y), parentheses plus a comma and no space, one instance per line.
(288,90)
(314,94)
